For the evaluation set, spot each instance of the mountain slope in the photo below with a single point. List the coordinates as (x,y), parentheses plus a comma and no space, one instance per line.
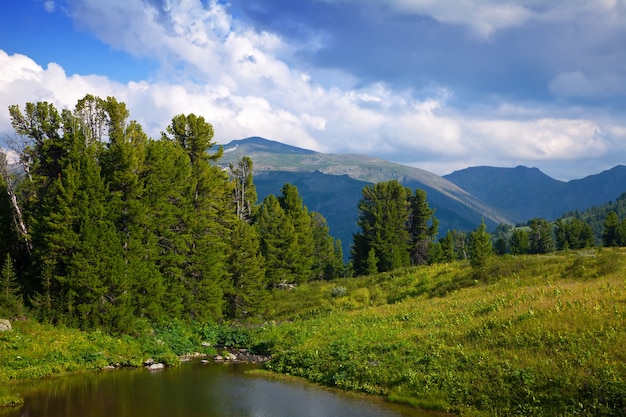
(524,193)
(332,184)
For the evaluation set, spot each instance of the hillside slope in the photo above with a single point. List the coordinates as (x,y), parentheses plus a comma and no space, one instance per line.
(524,193)
(332,184)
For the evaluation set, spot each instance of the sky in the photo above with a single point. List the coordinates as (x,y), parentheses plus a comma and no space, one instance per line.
(440,85)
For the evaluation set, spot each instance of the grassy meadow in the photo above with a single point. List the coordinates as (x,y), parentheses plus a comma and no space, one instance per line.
(529,336)
(534,335)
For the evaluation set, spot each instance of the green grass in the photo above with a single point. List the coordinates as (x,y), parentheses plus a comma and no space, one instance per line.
(538,335)
(533,336)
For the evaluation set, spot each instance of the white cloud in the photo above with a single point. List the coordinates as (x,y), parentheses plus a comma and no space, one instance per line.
(234,77)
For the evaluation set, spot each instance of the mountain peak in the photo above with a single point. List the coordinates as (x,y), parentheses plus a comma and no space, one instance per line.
(255,144)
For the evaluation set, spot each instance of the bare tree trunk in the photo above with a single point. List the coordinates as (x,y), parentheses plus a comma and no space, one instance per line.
(18,217)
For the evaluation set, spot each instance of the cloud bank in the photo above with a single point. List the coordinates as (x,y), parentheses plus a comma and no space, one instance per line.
(248,80)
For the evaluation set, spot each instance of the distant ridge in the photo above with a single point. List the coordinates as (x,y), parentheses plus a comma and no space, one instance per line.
(524,193)
(332,184)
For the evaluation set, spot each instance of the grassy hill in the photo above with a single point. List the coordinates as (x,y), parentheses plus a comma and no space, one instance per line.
(541,335)
(536,336)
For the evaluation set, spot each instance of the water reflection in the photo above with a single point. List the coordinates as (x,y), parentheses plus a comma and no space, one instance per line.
(195,390)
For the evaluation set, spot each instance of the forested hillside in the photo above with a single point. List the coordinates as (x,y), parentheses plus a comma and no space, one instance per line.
(103,226)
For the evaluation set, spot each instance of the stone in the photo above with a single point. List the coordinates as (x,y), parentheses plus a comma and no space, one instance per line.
(156,366)
(5,325)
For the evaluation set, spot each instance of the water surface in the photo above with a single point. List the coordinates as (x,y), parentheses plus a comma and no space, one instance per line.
(207,390)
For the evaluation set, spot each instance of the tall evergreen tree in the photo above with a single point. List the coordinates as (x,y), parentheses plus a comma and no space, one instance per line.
(246,296)
(423,228)
(209,218)
(295,210)
(520,244)
(278,242)
(540,237)
(384,219)
(327,253)
(480,248)
(611,234)
(11,300)
(167,186)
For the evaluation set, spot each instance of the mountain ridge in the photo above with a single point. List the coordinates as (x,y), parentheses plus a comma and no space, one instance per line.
(332,184)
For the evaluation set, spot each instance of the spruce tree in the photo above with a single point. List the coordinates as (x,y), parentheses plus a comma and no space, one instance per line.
(520,244)
(247,293)
(384,219)
(611,235)
(423,228)
(540,237)
(279,245)
(11,300)
(208,218)
(480,249)
(295,210)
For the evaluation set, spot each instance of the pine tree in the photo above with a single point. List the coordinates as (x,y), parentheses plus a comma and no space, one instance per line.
(540,237)
(208,219)
(327,261)
(422,233)
(384,219)
(247,293)
(611,235)
(447,247)
(371,263)
(11,300)
(480,248)
(520,244)
(279,245)
(295,210)
(167,185)
(124,169)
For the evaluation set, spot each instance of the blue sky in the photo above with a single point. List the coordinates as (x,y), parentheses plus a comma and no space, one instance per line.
(433,84)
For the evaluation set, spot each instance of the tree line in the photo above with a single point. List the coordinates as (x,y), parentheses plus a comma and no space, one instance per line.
(102,226)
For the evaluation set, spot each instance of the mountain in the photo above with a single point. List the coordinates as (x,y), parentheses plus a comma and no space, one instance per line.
(332,184)
(523,193)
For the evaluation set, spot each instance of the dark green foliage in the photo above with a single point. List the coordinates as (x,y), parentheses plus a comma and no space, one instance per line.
(422,233)
(453,246)
(540,237)
(327,252)
(480,248)
(573,234)
(520,244)
(113,229)
(384,219)
(11,301)
(396,224)
(246,295)
(304,244)
(278,242)
(611,235)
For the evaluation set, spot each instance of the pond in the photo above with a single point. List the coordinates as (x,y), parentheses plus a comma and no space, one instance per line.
(195,389)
